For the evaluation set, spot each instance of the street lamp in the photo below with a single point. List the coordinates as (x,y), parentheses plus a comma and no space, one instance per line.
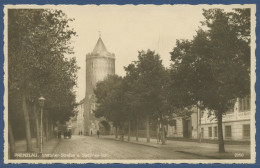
(41,103)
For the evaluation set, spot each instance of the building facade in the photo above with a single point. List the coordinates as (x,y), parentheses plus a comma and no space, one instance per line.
(185,127)
(203,124)
(236,122)
(78,120)
(99,64)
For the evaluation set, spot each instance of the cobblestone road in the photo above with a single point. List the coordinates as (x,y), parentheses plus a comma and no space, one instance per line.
(85,147)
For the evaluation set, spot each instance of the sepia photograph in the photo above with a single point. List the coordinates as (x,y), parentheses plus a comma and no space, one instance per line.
(129,83)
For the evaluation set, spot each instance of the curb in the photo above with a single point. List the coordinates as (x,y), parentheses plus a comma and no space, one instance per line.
(132,142)
(55,146)
(210,157)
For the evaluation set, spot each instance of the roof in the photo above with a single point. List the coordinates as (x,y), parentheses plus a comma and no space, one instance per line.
(100,50)
(100,47)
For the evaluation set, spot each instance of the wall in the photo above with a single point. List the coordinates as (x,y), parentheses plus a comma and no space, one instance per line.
(194,124)
(235,118)
(176,131)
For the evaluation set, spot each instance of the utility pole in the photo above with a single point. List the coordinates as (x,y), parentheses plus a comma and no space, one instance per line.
(41,103)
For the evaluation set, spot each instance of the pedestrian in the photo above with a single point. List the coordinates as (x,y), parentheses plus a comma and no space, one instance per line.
(165,134)
(98,133)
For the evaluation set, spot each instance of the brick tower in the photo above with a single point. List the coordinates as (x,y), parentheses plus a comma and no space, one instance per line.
(99,64)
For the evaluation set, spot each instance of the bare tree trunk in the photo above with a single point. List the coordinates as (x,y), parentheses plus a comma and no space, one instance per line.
(27,124)
(129,130)
(47,129)
(11,140)
(221,147)
(50,131)
(136,129)
(116,134)
(163,134)
(122,132)
(148,128)
(36,116)
(157,133)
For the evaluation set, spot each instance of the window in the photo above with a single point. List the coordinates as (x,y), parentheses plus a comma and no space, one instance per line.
(231,104)
(246,131)
(202,132)
(228,131)
(210,131)
(244,104)
(215,131)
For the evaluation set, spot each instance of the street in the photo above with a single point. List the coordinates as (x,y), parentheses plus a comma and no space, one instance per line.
(86,147)
(107,147)
(110,148)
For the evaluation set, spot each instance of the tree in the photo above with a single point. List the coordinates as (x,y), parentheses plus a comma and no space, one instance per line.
(109,95)
(147,78)
(141,94)
(214,67)
(37,43)
(132,97)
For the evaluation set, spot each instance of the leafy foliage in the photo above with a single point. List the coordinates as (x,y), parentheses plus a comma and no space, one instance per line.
(147,78)
(38,41)
(137,95)
(214,67)
(109,96)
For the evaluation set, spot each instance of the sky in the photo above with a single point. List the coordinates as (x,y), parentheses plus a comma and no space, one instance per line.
(127,29)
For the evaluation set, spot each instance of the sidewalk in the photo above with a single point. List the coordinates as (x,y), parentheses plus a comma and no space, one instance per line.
(48,147)
(207,150)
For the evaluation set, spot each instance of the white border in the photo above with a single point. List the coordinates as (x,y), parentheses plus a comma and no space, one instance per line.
(166,161)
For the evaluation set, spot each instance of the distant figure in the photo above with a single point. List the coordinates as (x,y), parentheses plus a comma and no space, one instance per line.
(98,133)
(91,132)
(80,132)
(165,134)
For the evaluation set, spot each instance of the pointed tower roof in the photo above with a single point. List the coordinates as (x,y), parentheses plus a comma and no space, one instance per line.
(100,50)
(100,47)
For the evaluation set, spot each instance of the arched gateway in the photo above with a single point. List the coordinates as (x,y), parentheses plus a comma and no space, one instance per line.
(99,64)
